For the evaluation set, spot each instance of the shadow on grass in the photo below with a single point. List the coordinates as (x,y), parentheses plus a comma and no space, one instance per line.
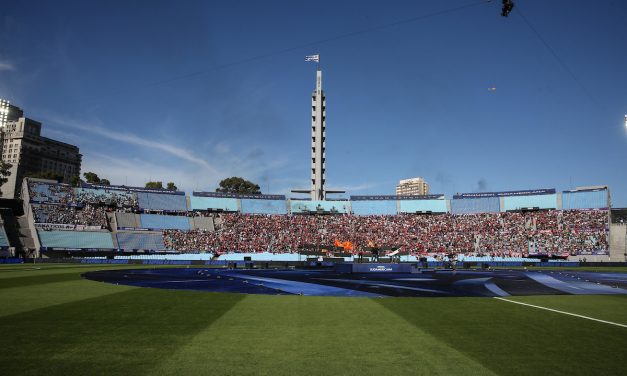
(513,340)
(123,333)
(42,279)
(62,274)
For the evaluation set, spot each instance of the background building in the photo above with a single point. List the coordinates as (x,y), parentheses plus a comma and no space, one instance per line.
(9,112)
(414,186)
(28,152)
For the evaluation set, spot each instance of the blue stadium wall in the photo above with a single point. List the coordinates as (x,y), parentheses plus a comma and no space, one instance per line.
(75,239)
(414,206)
(597,199)
(164,222)
(254,206)
(374,207)
(303,206)
(532,201)
(213,203)
(161,201)
(475,205)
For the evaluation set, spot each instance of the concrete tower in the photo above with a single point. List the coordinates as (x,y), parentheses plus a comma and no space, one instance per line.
(317,191)
(318,140)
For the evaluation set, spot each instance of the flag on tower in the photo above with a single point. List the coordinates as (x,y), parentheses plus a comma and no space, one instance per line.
(315,58)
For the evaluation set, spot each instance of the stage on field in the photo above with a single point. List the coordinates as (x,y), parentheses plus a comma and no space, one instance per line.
(375,268)
(375,282)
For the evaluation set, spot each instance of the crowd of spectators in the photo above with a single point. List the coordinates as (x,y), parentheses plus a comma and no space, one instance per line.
(192,240)
(105,197)
(496,234)
(66,195)
(46,192)
(88,215)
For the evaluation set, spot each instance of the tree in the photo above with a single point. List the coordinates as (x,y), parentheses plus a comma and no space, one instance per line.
(91,177)
(238,185)
(75,181)
(154,185)
(172,187)
(5,172)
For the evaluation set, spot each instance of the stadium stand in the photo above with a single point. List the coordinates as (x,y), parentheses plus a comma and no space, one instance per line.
(213,203)
(476,227)
(548,201)
(585,199)
(4,241)
(140,240)
(374,207)
(475,205)
(127,220)
(423,206)
(162,222)
(75,239)
(105,197)
(162,201)
(496,234)
(302,206)
(46,192)
(253,206)
(89,215)
(202,223)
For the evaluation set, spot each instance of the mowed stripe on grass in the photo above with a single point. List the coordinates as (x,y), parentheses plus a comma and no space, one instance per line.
(291,335)
(514,340)
(121,333)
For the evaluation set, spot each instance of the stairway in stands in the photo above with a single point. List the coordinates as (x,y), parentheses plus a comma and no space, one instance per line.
(25,236)
(10,226)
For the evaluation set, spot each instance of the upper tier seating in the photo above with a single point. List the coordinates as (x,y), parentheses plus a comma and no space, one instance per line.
(161,201)
(597,199)
(374,207)
(475,205)
(423,206)
(303,206)
(213,203)
(127,220)
(532,201)
(254,206)
(140,240)
(75,239)
(162,222)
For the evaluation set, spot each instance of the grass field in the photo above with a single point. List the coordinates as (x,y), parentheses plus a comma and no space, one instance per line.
(56,323)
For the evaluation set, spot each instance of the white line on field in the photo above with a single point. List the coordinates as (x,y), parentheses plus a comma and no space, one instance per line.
(565,313)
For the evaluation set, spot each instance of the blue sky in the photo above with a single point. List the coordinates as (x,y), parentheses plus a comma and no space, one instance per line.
(194,92)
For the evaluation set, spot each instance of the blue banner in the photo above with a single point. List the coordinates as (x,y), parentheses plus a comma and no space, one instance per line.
(131,189)
(236,195)
(547,191)
(395,197)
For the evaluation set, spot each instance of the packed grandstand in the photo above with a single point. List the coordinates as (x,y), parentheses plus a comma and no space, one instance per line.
(502,225)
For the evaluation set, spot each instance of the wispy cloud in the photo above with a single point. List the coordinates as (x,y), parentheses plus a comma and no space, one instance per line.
(189,172)
(137,171)
(6,66)
(133,139)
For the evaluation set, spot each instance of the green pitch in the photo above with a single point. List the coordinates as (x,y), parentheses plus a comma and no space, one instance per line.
(55,323)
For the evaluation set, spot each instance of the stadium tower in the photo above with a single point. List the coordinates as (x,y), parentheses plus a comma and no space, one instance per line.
(318,143)
(318,138)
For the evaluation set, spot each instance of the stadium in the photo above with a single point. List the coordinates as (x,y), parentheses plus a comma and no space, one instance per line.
(119,277)
(111,279)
